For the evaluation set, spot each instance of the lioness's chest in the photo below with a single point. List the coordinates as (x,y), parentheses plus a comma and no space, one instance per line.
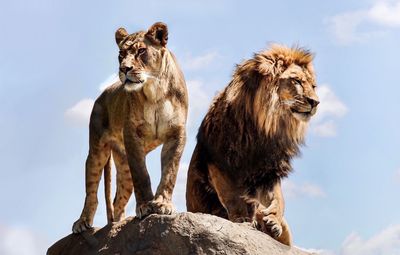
(157,120)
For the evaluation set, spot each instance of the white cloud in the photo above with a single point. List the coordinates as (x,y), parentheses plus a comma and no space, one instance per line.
(325,129)
(330,105)
(79,113)
(347,27)
(317,251)
(199,101)
(199,62)
(20,241)
(113,78)
(386,242)
(330,109)
(386,14)
(294,190)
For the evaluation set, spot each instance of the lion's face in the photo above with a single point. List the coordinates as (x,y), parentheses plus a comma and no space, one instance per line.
(296,90)
(140,55)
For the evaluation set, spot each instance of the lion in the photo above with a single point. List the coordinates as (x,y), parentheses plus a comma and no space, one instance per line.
(247,139)
(147,107)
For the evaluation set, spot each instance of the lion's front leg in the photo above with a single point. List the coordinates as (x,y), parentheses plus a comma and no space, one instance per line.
(231,195)
(269,215)
(170,156)
(134,147)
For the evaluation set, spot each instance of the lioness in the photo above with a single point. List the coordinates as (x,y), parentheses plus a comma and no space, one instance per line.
(247,139)
(146,108)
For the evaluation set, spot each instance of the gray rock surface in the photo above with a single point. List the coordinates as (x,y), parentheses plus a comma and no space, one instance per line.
(183,233)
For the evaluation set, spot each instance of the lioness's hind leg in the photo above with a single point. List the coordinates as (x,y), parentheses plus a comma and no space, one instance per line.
(95,162)
(124,185)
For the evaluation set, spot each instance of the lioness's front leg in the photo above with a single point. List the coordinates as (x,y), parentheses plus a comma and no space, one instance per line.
(170,156)
(269,215)
(134,146)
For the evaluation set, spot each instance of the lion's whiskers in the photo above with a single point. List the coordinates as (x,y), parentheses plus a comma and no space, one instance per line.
(288,102)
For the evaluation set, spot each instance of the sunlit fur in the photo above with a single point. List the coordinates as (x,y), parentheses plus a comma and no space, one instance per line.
(250,134)
(154,69)
(145,109)
(257,98)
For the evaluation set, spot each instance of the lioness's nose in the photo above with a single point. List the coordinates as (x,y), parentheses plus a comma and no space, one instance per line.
(125,69)
(313,102)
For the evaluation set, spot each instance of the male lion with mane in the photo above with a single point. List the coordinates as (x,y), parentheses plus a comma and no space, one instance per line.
(146,108)
(247,139)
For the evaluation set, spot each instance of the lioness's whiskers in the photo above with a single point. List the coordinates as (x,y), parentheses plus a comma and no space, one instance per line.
(149,76)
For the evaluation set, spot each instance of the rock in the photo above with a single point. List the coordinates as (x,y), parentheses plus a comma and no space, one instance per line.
(183,233)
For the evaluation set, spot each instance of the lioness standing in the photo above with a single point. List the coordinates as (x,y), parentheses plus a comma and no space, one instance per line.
(146,108)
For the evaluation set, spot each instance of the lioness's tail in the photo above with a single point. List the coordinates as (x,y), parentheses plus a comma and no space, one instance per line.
(107,191)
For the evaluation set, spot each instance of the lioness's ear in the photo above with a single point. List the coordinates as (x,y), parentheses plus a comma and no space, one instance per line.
(158,34)
(120,34)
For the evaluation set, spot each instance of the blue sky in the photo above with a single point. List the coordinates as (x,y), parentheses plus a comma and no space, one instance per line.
(56,56)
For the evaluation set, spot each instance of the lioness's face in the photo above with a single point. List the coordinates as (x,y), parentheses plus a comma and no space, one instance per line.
(140,55)
(297,91)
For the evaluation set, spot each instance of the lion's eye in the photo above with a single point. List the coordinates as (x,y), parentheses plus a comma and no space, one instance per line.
(314,86)
(141,51)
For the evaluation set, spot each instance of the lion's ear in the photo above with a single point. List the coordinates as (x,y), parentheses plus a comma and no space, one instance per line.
(120,34)
(158,34)
(267,67)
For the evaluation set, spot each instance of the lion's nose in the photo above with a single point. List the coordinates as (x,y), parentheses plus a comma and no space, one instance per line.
(313,102)
(125,69)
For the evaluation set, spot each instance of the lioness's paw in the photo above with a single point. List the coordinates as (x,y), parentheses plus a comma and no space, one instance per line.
(163,207)
(80,226)
(143,210)
(271,225)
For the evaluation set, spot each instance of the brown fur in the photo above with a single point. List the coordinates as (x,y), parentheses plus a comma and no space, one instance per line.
(146,108)
(247,139)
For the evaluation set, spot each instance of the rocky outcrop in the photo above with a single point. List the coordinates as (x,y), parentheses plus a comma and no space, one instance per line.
(183,233)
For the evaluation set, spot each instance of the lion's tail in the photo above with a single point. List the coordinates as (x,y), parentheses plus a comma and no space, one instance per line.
(107,191)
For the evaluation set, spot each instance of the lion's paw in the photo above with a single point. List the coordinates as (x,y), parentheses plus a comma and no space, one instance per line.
(81,225)
(270,225)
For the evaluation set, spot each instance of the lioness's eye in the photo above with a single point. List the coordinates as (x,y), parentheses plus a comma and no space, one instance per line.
(297,81)
(141,51)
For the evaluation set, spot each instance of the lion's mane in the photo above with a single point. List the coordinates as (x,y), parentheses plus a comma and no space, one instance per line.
(263,138)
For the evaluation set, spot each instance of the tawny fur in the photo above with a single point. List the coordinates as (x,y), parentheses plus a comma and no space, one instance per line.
(247,139)
(146,108)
